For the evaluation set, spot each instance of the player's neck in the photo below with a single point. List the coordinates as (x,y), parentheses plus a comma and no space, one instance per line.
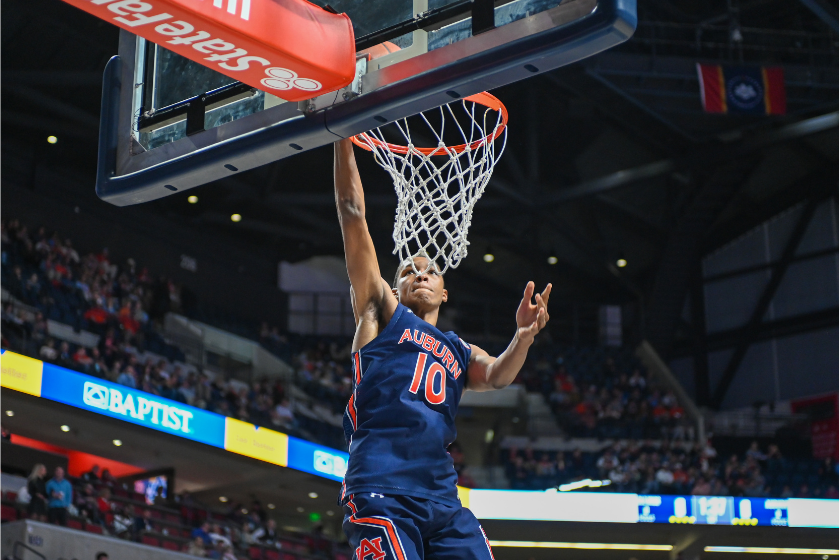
(428,315)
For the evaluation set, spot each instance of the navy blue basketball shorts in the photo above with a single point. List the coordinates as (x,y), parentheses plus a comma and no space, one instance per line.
(382,527)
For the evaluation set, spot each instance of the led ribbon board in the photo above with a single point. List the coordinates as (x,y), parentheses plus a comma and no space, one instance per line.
(55,383)
(31,376)
(288,48)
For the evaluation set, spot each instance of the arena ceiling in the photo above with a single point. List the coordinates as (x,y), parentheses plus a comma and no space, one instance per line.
(610,158)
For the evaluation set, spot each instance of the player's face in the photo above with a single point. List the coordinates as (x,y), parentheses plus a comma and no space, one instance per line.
(423,290)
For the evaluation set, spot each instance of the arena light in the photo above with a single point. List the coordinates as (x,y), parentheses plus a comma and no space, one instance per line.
(330,512)
(65,428)
(235,218)
(223,499)
(313,495)
(52,139)
(621,263)
(552,260)
(10,413)
(300,509)
(270,506)
(192,199)
(117,442)
(581,545)
(769,550)
(489,257)
(585,483)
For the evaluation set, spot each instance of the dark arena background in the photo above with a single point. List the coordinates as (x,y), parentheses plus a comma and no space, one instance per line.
(679,190)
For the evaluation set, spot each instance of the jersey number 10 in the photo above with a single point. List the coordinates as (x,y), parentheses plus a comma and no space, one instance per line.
(434,370)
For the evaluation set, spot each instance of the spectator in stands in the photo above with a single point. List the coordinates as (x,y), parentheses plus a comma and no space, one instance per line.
(160,499)
(108,479)
(127,378)
(92,475)
(86,503)
(702,487)
(217,535)
(103,502)
(123,523)
(36,485)
(227,552)
(48,352)
(196,548)
(143,523)
(101,556)
(266,535)
(755,453)
(60,494)
(203,531)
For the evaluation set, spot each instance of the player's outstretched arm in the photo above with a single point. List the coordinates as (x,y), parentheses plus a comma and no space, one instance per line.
(373,302)
(485,372)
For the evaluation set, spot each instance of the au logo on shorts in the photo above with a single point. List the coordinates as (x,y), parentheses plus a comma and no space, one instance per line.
(370,547)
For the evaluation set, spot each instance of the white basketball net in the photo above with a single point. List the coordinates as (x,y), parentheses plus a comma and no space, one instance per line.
(437,188)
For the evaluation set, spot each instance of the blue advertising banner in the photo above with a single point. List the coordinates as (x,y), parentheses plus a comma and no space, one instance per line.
(317,459)
(131,405)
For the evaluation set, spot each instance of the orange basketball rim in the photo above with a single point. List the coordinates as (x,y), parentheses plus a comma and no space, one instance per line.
(485,99)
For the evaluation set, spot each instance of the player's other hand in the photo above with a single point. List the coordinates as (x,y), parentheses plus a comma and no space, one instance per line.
(532,317)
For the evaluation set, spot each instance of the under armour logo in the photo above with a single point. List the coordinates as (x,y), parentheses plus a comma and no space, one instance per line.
(375,495)
(284,79)
(370,548)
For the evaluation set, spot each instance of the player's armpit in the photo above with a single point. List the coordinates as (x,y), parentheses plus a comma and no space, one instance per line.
(478,370)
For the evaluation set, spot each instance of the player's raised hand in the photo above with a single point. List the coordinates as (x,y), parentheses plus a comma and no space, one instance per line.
(532,317)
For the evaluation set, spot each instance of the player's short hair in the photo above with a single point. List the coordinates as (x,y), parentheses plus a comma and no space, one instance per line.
(409,261)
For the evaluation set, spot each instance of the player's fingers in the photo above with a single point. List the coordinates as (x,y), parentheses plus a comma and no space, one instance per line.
(541,318)
(529,292)
(546,293)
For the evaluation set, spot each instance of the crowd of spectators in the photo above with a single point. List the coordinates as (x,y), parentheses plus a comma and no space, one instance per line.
(92,293)
(90,500)
(676,468)
(89,292)
(605,393)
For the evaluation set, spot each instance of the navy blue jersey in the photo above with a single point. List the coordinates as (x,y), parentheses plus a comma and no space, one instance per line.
(407,383)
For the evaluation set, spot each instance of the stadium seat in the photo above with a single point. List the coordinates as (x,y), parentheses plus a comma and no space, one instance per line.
(171,545)
(255,552)
(93,528)
(75,523)
(150,540)
(275,555)
(9,513)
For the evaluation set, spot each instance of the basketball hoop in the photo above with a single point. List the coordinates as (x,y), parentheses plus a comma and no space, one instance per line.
(437,187)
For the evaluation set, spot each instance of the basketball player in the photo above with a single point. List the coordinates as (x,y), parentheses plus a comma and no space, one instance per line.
(399,494)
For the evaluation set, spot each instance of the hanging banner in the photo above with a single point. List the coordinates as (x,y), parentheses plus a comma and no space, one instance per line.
(739,89)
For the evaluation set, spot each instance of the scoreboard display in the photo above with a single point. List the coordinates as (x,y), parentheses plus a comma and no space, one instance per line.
(713,510)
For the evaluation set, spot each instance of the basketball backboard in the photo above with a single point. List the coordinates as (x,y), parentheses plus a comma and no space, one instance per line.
(169,124)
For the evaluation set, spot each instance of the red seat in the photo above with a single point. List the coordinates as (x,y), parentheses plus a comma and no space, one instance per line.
(254,552)
(74,523)
(91,528)
(173,517)
(171,545)
(274,555)
(8,513)
(11,496)
(150,540)
(289,556)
